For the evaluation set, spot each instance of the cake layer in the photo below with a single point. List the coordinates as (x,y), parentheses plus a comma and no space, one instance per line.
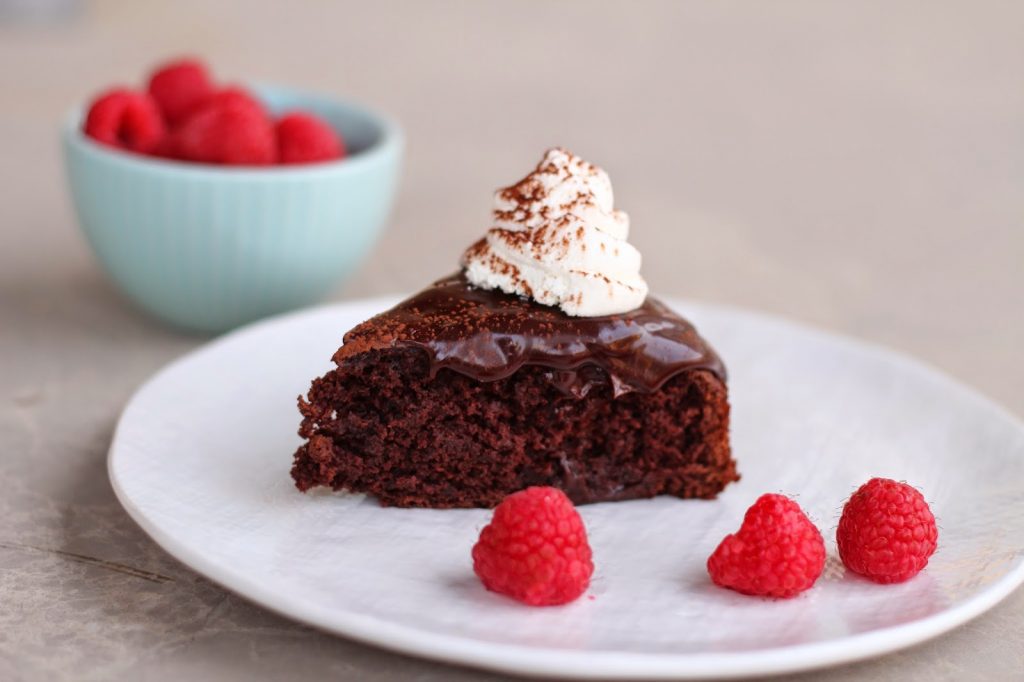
(389,423)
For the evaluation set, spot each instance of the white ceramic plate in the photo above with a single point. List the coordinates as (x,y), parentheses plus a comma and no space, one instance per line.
(201,457)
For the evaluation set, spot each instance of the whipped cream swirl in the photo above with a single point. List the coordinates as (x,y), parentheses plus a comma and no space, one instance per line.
(557,238)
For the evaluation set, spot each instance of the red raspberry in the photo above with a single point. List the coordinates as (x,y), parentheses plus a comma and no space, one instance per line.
(535,549)
(226,132)
(886,532)
(305,138)
(125,119)
(179,87)
(777,552)
(233,95)
(166,148)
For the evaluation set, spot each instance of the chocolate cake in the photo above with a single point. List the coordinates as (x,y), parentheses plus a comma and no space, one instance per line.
(458,396)
(471,390)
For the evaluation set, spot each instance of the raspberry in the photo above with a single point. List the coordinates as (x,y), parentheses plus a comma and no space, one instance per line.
(535,549)
(305,138)
(178,87)
(233,95)
(777,552)
(165,149)
(886,532)
(226,132)
(125,119)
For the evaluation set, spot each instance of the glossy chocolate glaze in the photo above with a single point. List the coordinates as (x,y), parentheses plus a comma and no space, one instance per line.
(489,335)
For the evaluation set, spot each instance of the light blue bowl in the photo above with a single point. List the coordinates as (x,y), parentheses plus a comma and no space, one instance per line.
(210,247)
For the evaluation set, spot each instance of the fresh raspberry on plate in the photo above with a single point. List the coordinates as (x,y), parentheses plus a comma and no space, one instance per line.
(125,119)
(777,552)
(887,531)
(179,87)
(305,138)
(226,132)
(535,549)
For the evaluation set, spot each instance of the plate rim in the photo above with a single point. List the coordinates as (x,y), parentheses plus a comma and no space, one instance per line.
(535,662)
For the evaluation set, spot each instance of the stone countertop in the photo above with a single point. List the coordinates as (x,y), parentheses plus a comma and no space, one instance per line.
(855,166)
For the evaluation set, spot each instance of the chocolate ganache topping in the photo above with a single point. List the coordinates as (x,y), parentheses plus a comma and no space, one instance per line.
(488,335)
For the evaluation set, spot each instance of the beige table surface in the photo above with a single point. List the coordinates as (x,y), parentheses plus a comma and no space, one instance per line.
(857,166)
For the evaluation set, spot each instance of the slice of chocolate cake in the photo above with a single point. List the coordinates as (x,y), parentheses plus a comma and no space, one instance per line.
(479,386)
(459,396)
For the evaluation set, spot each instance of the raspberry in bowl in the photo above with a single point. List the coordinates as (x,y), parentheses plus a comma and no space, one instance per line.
(197,220)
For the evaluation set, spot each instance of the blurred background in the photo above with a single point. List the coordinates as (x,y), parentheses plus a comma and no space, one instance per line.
(857,166)
(854,165)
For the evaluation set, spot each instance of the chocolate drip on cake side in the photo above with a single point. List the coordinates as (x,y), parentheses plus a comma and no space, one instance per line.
(489,335)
